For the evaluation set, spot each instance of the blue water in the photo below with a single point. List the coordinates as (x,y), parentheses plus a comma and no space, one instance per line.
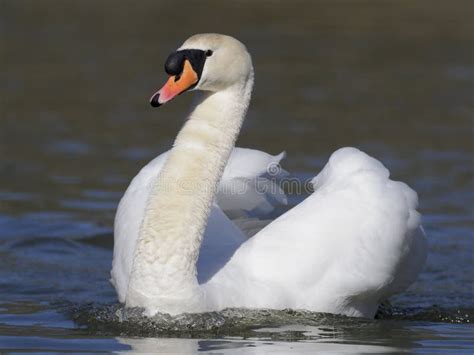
(394,79)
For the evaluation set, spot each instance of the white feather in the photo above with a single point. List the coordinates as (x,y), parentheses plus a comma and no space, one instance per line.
(352,243)
(221,234)
(355,241)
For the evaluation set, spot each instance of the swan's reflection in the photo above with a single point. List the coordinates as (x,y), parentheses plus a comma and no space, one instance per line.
(322,340)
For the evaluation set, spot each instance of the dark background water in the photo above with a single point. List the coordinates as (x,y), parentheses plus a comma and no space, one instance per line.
(394,78)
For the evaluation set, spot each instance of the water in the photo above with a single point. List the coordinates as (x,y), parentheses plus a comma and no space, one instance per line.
(392,78)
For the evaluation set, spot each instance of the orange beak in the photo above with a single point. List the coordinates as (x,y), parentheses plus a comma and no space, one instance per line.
(176,84)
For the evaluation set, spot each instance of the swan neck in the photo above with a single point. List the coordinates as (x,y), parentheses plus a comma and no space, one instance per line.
(164,273)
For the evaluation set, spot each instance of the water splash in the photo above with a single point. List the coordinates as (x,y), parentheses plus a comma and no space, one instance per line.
(117,320)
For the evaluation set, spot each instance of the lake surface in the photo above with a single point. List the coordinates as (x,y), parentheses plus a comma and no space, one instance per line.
(393,78)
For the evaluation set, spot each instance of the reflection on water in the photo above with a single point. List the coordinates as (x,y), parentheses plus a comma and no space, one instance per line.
(394,79)
(250,346)
(247,331)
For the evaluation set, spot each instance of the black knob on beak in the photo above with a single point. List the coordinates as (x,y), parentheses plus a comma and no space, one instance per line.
(174,63)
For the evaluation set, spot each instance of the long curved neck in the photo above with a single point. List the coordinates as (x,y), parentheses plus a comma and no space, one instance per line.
(164,265)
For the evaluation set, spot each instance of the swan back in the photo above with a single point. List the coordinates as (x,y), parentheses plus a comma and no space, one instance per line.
(349,245)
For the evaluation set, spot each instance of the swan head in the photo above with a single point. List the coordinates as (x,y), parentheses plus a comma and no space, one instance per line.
(208,62)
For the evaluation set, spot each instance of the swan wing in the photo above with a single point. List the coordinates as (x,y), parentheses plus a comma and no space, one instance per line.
(221,238)
(353,242)
(250,182)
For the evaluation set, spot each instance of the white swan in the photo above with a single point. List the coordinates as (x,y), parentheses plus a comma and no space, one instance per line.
(352,243)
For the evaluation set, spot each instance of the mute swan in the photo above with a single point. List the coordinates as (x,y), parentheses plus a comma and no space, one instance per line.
(352,243)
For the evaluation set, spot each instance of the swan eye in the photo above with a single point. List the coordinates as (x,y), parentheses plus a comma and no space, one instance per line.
(209,53)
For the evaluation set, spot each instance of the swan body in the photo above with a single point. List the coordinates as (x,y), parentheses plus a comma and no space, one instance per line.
(221,236)
(352,243)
